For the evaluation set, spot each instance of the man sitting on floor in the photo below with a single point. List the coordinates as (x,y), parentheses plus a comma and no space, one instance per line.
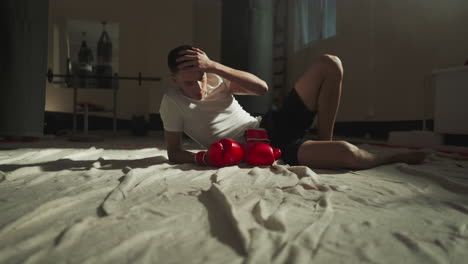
(203,107)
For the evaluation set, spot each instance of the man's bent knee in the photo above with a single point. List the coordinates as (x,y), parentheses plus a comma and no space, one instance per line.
(332,65)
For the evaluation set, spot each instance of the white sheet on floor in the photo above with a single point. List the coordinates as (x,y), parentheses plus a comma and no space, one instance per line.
(104,205)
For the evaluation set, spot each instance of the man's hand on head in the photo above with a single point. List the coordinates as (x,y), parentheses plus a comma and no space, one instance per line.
(195,60)
(241,82)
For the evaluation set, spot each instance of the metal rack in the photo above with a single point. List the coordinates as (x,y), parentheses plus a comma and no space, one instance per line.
(68,79)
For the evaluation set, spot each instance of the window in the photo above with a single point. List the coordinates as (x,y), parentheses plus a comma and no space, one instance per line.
(315,20)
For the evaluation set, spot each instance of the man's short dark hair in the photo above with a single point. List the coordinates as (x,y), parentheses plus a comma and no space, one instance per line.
(173,55)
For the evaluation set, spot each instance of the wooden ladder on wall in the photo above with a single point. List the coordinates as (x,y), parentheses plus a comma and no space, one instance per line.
(280,51)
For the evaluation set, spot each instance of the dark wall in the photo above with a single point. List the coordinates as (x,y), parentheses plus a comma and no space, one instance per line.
(247,44)
(235,34)
(24,31)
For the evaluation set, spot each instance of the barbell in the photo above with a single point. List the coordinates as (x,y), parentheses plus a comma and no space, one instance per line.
(50,77)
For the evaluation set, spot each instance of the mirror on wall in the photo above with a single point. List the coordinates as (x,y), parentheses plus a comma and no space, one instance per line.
(87,48)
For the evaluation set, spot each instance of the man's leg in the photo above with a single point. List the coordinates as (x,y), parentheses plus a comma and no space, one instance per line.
(341,154)
(320,89)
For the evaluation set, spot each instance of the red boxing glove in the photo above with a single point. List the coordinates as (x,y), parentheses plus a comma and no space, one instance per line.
(257,150)
(225,152)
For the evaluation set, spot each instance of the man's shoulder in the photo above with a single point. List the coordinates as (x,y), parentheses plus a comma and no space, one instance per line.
(170,97)
(171,93)
(170,105)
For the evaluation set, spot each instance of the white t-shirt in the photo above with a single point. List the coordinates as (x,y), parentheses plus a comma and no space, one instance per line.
(210,119)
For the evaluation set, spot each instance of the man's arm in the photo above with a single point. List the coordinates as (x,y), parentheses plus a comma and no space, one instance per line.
(174,150)
(241,82)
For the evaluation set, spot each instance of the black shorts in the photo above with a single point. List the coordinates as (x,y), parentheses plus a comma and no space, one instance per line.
(287,126)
